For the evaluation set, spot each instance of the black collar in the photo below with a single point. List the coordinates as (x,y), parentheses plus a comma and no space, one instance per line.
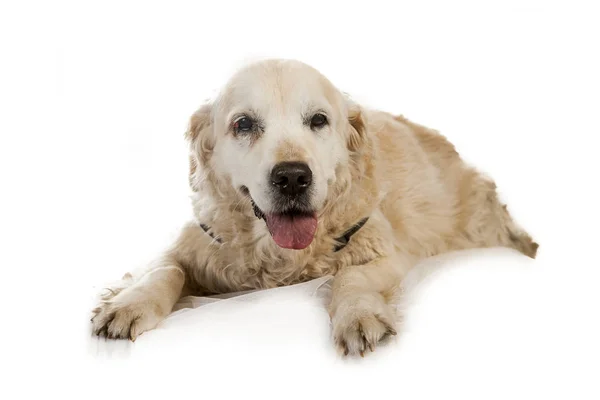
(342,241)
(206,229)
(345,238)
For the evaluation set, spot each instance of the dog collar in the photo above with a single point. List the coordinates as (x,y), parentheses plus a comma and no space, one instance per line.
(342,241)
(206,229)
(345,238)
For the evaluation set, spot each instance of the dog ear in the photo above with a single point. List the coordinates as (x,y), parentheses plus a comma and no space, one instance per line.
(358,127)
(199,121)
(200,137)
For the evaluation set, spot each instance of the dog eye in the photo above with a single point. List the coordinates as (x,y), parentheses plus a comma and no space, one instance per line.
(318,120)
(243,124)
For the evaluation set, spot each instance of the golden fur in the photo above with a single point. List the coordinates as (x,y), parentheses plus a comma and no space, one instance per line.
(420,197)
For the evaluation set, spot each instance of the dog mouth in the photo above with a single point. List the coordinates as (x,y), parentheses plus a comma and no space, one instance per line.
(292,229)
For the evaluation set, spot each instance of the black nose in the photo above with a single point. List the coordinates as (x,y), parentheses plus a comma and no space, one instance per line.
(291,178)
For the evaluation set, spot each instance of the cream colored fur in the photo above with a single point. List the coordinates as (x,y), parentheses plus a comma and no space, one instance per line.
(420,197)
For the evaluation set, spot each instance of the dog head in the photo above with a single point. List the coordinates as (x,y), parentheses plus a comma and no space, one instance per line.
(277,134)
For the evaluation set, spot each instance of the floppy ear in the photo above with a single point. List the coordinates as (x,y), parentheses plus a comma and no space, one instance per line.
(199,121)
(358,127)
(200,137)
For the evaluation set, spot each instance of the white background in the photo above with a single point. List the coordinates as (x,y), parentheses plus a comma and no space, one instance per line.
(95,98)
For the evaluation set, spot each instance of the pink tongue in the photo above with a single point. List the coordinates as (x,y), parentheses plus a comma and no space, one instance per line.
(292,232)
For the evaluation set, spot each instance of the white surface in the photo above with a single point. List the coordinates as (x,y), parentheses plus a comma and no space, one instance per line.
(485,324)
(95,99)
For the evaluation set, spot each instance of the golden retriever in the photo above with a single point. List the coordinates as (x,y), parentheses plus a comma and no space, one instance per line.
(291,180)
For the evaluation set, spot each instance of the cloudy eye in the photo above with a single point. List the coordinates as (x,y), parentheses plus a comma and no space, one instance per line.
(244,124)
(318,120)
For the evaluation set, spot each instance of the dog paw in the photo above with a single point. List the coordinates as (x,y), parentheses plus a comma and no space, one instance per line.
(359,327)
(126,315)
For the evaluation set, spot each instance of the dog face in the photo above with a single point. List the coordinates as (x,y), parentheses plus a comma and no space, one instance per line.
(280,130)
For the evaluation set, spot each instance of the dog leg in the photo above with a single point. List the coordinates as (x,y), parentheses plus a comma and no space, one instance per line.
(484,221)
(360,310)
(138,305)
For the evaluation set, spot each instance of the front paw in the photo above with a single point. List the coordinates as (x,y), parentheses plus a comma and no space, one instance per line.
(126,315)
(362,322)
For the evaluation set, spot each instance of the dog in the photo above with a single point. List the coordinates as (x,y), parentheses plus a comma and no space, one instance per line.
(292,180)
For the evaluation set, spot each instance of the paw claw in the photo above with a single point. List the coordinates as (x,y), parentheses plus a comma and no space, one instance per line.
(102,332)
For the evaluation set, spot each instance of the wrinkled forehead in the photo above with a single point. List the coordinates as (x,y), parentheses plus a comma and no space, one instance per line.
(279,89)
